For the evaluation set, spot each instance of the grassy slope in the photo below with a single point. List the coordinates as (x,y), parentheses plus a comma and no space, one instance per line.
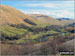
(12,31)
(46,19)
(12,16)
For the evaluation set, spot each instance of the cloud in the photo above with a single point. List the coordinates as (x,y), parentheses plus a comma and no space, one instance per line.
(41,4)
(65,13)
(62,9)
(49,5)
(56,14)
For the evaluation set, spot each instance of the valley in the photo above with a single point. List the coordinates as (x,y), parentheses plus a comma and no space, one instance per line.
(35,34)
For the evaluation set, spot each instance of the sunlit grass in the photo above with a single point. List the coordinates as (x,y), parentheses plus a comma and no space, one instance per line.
(12,31)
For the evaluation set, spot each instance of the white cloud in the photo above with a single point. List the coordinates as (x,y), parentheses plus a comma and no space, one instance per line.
(49,5)
(58,13)
(65,13)
(66,9)
(41,4)
(66,4)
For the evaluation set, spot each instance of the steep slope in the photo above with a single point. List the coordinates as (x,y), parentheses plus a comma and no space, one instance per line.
(10,15)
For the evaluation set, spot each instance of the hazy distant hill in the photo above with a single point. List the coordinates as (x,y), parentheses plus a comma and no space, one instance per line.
(63,19)
(66,21)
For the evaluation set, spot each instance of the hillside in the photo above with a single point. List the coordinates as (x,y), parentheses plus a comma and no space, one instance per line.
(10,15)
(66,21)
(49,20)
(45,19)
(69,45)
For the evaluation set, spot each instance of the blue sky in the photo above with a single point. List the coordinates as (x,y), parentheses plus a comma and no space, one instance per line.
(56,9)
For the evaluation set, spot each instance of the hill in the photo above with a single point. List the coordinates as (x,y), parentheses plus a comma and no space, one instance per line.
(68,46)
(45,19)
(52,21)
(66,21)
(63,19)
(10,15)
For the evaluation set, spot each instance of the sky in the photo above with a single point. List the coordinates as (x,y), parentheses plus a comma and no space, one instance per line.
(56,9)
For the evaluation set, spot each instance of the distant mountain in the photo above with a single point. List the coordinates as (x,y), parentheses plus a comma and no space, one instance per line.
(66,21)
(63,19)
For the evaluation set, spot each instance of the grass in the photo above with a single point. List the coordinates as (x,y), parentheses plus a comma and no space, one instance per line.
(52,32)
(30,36)
(39,24)
(20,41)
(12,31)
(36,35)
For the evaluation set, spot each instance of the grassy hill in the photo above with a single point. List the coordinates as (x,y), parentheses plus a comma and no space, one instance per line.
(12,33)
(67,22)
(49,20)
(10,15)
(45,19)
